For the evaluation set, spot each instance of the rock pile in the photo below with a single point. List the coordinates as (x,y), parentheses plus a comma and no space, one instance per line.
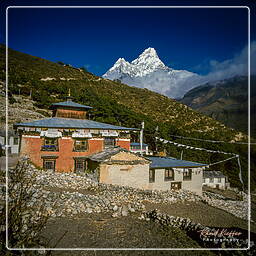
(69,194)
(237,208)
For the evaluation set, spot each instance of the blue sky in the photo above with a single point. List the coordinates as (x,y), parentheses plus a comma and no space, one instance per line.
(190,39)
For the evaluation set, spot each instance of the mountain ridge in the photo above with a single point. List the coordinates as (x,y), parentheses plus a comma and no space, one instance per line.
(119,104)
(225,100)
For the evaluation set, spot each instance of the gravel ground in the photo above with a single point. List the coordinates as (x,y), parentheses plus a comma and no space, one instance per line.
(103,231)
(202,213)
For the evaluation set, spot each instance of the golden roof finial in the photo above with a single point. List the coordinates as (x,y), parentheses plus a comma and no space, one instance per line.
(69,92)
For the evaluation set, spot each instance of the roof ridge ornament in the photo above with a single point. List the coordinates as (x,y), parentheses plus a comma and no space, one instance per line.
(69,98)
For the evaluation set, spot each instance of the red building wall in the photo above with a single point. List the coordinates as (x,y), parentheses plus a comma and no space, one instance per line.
(31,146)
(123,143)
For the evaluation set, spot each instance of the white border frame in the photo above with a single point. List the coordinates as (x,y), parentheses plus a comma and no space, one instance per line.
(249,132)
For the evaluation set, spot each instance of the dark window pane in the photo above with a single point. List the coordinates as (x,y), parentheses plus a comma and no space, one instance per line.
(80,165)
(169,174)
(151,175)
(187,174)
(49,165)
(81,145)
(109,142)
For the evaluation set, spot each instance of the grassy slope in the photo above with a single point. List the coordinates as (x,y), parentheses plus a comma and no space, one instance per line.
(120,104)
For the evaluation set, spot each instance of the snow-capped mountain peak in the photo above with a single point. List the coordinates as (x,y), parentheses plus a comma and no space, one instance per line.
(120,65)
(148,71)
(148,62)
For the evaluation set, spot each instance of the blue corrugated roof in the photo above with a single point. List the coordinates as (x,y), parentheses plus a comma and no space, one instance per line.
(164,162)
(70,104)
(57,122)
(138,144)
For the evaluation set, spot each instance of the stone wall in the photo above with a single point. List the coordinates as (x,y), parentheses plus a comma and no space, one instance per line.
(206,237)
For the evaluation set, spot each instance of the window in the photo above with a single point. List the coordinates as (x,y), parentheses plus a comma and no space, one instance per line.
(15,141)
(219,180)
(109,142)
(151,175)
(169,174)
(204,180)
(50,144)
(81,145)
(187,174)
(211,180)
(124,169)
(80,165)
(49,165)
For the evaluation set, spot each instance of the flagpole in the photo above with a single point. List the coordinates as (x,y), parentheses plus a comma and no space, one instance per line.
(141,137)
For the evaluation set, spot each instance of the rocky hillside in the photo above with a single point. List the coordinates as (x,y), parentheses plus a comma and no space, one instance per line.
(22,110)
(44,82)
(226,101)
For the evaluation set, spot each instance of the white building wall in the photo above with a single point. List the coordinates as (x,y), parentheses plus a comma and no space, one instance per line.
(14,148)
(138,176)
(195,184)
(215,183)
(2,140)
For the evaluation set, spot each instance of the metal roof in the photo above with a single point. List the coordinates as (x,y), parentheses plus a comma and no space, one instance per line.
(213,174)
(165,162)
(70,104)
(106,153)
(111,151)
(58,122)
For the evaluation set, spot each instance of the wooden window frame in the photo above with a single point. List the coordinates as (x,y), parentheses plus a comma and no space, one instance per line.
(153,178)
(49,160)
(167,176)
(50,146)
(187,174)
(80,161)
(15,141)
(81,149)
(110,138)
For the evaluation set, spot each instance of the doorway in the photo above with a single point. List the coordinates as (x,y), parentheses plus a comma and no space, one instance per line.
(176,185)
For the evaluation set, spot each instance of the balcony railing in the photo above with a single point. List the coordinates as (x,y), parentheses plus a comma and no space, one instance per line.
(50,148)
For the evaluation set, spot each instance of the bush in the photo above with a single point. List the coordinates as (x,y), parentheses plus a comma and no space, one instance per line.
(25,218)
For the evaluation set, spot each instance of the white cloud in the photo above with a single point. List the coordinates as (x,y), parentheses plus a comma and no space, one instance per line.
(236,66)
